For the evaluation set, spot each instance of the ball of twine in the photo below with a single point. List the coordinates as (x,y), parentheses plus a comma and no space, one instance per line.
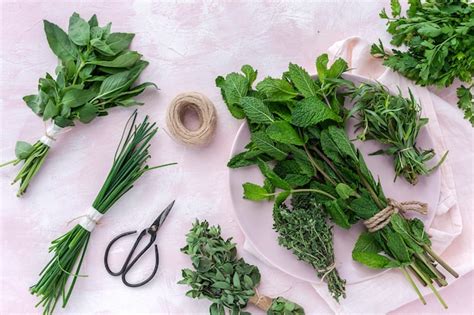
(206,114)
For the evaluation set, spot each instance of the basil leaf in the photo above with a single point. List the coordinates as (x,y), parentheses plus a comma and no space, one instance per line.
(50,110)
(23,150)
(34,102)
(119,41)
(102,47)
(77,97)
(59,42)
(87,113)
(124,60)
(79,30)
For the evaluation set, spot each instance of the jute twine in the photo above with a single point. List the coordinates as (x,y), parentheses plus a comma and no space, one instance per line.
(206,113)
(261,301)
(382,218)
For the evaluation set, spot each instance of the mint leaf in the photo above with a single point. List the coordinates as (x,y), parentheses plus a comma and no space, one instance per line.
(337,214)
(250,74)
(342,143)
(302,80)
(256,111)
(254,192)
(372,260)
(276,89)
(283,132)
(344,191)
(322,66)
(366,243)
(311,111)
(264,143)
(337,68)
(276,180)
(233,88)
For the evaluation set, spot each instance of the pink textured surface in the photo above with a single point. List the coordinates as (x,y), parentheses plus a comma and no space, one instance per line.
(188,45)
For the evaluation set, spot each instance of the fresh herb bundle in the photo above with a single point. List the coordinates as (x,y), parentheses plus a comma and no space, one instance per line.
(97,71)
(303,135)
(69,250)
(395,121)
(277,112)
(227,281)
(439,36)
(304,230)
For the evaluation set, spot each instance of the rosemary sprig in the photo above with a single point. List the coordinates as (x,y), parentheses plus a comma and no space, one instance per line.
(394,121)
(59,276)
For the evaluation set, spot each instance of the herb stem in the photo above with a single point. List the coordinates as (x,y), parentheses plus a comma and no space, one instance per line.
(412,283)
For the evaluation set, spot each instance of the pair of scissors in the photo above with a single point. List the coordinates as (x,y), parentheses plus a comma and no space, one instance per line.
(129,262)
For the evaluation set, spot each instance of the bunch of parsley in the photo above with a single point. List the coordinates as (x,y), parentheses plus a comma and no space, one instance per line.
(439,35)
(394,121)
(296,123)
(219,276)
(96,72)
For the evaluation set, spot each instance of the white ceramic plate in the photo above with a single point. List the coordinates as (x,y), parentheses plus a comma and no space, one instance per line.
(255,218)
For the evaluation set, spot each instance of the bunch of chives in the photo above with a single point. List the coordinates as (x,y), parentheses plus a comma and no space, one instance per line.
(58,278)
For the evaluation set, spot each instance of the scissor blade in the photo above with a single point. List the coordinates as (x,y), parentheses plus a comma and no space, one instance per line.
(162,217)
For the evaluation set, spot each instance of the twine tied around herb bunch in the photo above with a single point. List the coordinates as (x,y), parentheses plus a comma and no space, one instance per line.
(199,103)
(263,302)
(382,218)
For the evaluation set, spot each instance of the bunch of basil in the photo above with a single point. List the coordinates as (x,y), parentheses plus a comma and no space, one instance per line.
(97,71)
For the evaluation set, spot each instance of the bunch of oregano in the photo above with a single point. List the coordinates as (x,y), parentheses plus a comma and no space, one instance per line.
(439,36)
(219,276)
(298,126)
(69,250)
(394,121)
(96,72)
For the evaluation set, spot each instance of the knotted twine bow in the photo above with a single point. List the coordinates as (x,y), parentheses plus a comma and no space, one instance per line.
(382,218)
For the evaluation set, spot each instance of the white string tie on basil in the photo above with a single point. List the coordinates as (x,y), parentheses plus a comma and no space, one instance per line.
(90,219)
(51,132)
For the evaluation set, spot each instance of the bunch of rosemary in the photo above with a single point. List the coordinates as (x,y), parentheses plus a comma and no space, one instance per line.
(299,127)
(69,250)
(395,121)
(227,281)
(439,35)
(97,71)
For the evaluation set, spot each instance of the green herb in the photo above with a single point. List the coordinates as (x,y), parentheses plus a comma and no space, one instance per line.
(97,71)
(394,121)
(317,158)
(69,250)
(304,230)
(219,276)
(439,36)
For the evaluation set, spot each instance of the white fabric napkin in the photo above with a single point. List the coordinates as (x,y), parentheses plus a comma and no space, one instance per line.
(390,290)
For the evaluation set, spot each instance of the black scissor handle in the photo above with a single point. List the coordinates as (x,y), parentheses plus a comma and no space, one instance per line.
(129,264)
(106,256)
(155,269)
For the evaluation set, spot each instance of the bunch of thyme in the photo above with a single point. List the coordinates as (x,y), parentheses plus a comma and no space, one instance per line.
(69,250)
(394,121)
